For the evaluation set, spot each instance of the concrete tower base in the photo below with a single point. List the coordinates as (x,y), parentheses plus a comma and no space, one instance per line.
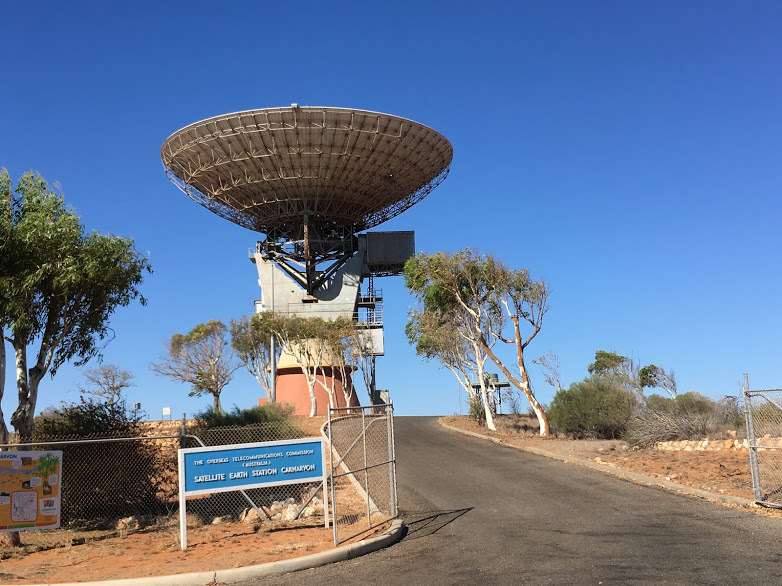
(292,388)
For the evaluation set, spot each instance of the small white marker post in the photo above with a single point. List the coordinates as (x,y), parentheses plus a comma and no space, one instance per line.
(182,504)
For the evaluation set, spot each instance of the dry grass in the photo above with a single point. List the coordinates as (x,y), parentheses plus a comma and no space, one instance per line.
(511,424)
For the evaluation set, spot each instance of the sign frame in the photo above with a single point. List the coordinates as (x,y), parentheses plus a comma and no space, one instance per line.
(224,482)
(19,463)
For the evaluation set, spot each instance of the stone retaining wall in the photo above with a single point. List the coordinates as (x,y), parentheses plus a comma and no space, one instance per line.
(705,445)
(713,445)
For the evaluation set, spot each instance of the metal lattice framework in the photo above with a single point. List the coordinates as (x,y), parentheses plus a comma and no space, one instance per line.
(277,169)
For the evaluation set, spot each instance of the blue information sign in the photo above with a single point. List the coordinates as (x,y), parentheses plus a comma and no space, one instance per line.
(242,466)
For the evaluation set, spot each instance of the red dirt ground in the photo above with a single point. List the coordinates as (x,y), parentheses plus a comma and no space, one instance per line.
(157,553)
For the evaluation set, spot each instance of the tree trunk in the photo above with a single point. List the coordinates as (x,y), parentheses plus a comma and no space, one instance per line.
(485,395)
(11,539)
(533,401)
(524,388)
(347,389)
(545,429)
(22,418)
(487,409)
(216,403)
(3,428)
(313,399)
(329,388)
(348,395)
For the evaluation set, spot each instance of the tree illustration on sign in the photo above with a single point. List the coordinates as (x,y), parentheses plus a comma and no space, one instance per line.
(47,465)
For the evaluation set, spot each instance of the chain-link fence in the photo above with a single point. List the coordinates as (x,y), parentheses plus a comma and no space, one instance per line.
(129,483)
(107,478)
(115,483)
(763,412)
(363,469)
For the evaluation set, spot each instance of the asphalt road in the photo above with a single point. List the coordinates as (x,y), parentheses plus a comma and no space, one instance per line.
(481,513)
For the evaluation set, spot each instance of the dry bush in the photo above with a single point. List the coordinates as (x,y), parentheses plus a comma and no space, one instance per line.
(690,416)
(522,424)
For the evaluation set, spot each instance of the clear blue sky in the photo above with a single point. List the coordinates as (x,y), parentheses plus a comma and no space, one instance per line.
(630,153)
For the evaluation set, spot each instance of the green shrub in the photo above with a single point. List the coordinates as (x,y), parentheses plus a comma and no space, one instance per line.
(268,413)
(597,407)
(269,422)
(105,480)
(88,419)
(476,411)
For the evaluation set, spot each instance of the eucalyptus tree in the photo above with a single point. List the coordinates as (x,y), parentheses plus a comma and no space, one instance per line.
(3,428)
(487,303)
(340,360)
(653,376)
(630,375)
(456,320)
(253,347)
(524,302)
(361,354)
(6,231)
(300,338)
(202,358)
(439,337)
(58,285)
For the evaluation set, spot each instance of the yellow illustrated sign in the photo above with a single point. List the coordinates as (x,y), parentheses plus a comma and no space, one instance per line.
(30,489)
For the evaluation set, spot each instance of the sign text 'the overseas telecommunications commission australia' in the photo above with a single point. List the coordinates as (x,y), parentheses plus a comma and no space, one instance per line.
(241,466)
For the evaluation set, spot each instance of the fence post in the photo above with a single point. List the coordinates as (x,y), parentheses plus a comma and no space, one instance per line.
(391,459)
(331,477)
(751,441)
(183,432)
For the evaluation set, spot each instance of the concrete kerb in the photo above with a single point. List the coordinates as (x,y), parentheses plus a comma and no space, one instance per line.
(618,472)
(339,554)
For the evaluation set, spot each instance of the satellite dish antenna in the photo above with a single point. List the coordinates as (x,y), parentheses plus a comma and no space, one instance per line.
(309,178)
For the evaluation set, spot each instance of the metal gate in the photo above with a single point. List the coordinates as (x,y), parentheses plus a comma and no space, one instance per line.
(363,469)
(763,413)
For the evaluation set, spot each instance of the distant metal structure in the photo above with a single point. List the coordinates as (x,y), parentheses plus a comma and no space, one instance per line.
(493,386)
(311,179)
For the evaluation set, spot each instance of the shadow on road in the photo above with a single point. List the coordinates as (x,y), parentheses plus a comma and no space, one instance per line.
(431,522)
